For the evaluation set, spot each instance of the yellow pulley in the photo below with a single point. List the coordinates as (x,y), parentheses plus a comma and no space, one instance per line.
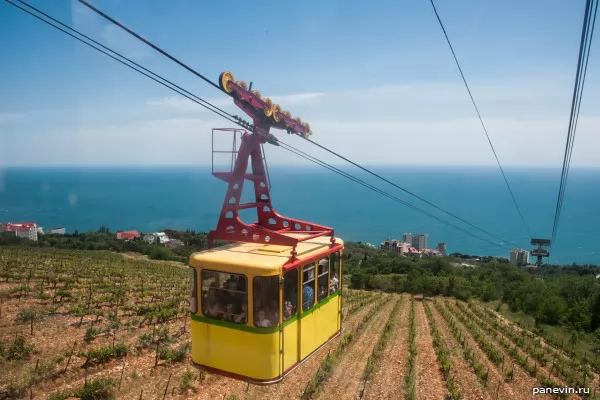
(269,110)
(256,93)
(224,80)
(276,112)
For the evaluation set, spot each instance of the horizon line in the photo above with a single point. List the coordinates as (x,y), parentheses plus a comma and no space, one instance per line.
(175,165)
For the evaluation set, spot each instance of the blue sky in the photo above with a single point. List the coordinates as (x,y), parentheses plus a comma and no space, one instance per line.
(376,80)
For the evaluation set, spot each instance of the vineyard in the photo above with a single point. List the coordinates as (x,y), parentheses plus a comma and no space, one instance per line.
(96,325)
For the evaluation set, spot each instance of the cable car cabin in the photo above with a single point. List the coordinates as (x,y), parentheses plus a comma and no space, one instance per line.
(264,304)
(256,314)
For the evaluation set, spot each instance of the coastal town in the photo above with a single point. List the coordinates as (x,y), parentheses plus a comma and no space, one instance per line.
(30,231)
(412,244)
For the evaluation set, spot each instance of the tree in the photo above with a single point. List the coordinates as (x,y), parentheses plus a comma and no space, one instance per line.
(414,283)
(357,281)
(552,310)
(579,316)
(595,317)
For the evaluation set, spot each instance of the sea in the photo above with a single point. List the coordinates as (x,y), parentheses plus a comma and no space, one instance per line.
(155,198)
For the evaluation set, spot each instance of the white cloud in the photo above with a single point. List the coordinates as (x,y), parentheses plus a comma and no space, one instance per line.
(532,142)
(417,123)
(183,104)
(296,99)
(395,141)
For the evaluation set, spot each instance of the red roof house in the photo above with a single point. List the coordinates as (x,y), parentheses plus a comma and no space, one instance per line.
(26,230)
(129,235)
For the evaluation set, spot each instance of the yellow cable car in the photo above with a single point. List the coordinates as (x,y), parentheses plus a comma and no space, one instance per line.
(263,304)
(256,315)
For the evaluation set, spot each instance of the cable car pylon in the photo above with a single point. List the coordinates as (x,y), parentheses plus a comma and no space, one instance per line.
(540,252)
(270,226)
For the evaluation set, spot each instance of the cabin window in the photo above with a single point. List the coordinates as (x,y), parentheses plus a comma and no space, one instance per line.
(290,293)
(224,296)
(266,301)
(308,286)
(323,279)
(193,290)
(334,272)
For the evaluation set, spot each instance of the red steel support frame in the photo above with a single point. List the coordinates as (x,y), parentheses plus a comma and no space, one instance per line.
(270,226)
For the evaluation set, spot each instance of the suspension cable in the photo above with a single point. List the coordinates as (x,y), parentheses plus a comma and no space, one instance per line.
(380,191)
(229,117)
(309,140)
(164,53)
(118,54)
(481,120)
(587,33)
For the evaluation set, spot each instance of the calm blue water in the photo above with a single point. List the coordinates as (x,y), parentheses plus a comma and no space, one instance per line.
(156,198)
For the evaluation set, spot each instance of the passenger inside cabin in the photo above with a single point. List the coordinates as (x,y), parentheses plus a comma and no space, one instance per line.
(308,297)
(333,283)
(214,307)
(262,322)
(273,314)
(287,310)
(229,315)
(242,317)
(291,295)
(322,292)
(231,283)
(241,284)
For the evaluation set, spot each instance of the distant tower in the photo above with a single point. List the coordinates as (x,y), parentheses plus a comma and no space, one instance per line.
(540,251)
(519,257)
(419,241)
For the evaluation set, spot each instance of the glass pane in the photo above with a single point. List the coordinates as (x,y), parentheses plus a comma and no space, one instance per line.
(308,286)
(323,279)
(290,294)
(266,301)
(224,296)
(334,272)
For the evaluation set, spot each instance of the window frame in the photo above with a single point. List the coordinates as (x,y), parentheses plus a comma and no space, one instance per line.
(203,308)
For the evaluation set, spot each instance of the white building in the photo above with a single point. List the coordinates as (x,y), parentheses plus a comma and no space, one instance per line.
(519,257)
(157,237)
(395,245)
(57,231)
(25,230)
(419,241)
